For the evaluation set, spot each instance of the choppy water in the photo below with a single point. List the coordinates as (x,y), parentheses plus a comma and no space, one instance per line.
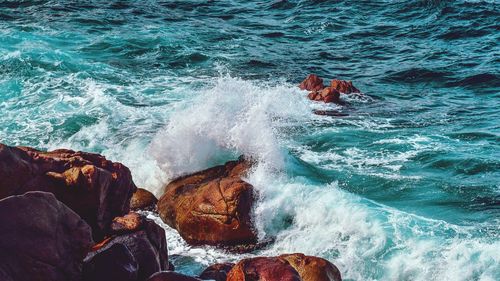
(407,187)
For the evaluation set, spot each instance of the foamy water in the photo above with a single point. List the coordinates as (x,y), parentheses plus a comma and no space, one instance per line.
(405,187)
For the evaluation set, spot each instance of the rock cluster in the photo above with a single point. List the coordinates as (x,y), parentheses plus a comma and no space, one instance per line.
(54,205)
(329,94)
(65,215)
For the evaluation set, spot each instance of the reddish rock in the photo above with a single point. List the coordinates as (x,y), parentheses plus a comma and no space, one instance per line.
(284,267)
(145,240)
(312,268)
(171,276)
(143,200)
(343,86)
(312,95)
(41,239)
(217,272)
(96,189)
(128,223)
(312,83)
(212,206)
(263,269)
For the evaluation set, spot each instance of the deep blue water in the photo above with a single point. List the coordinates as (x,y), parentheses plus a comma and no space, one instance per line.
(406,187)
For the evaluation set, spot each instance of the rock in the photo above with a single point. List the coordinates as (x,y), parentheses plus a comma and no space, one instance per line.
(171,276)
(143,200)
(285,267)
(41,238)
(343,86)
(128,223)
(312,268)
(326,95)
(96,189)
(312,83)
(212,206)
(145,240)
(330,113)
(116,263)
(312,95)
(263,269)
(217,272)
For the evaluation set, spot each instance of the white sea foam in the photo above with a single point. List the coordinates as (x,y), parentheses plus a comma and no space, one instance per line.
(367,241)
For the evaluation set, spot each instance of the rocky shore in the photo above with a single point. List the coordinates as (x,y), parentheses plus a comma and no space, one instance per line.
(72,215)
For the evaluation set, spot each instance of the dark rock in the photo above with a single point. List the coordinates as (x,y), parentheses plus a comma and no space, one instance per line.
(145,240)
(330,113)
(115,263)
(171,276)
(41,238)
(128,223)
(212,206)
(143,200)
(96,189)
(217,272)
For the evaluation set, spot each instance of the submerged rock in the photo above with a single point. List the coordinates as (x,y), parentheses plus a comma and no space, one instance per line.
(143,200)
(41,239)
(285,267)
(217,272)
(212,206)
(171,276)
(335,113)
(144,239)
(96,189)
(312,83)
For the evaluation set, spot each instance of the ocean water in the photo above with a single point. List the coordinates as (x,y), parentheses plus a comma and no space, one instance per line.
(406,187)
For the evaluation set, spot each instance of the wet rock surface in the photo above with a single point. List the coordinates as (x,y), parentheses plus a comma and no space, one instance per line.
(41,239)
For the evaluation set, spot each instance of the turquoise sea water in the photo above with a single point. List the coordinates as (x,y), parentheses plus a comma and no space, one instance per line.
(406,187)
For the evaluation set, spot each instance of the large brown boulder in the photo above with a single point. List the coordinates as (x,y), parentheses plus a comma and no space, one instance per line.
(143,200)
(312,83)
(263,269)
(96,189)
(343,86)
(212,206)
(144,239)
(41,239)
(285,267)
(312,268)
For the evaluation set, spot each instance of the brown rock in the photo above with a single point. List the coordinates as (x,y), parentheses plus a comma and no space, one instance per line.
(96,189)
(217,272)
(143,200)
(343,86)
(263,269)
(146,242)
(312,83)
(171,276)
(41,239)
(212,206)
(128,223)
(312,95)
(312,268)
